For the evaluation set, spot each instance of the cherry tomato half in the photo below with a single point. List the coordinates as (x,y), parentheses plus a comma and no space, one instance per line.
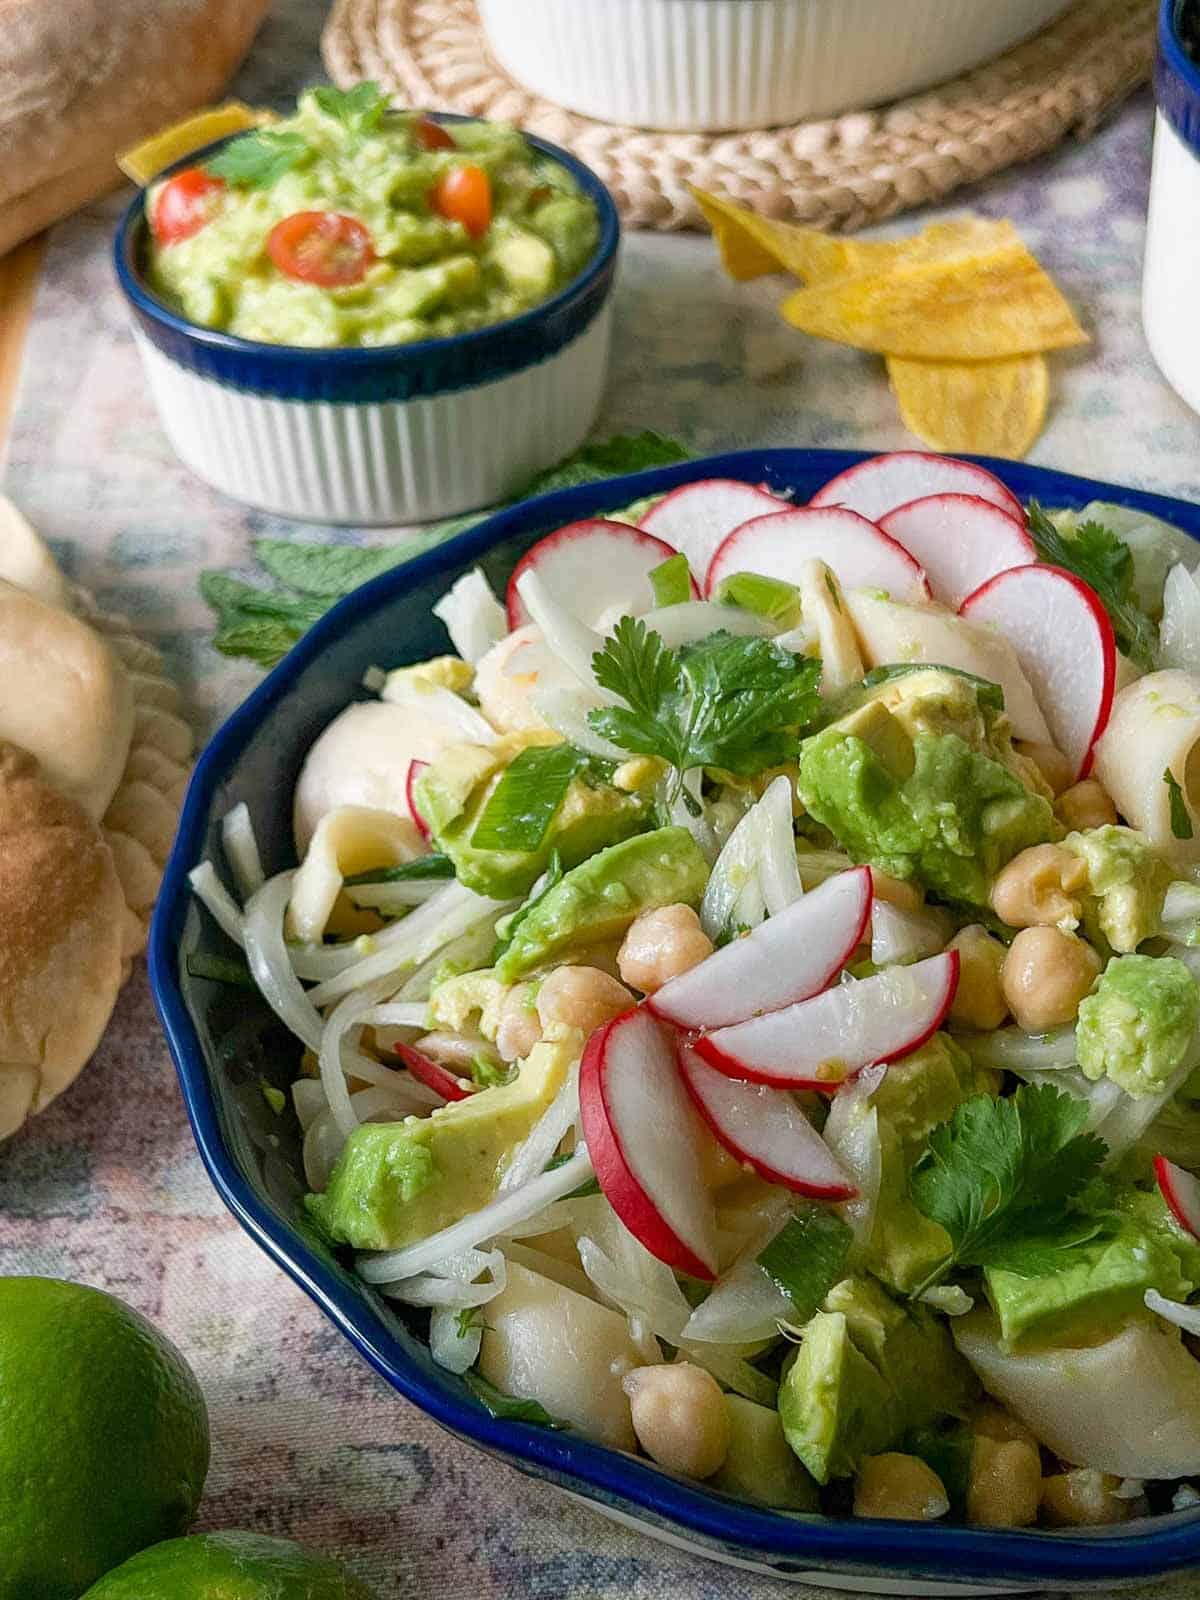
(464,194)
(322,247)
(184,205)
(432,136)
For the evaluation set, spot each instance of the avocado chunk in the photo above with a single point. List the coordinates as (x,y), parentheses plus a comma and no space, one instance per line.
(1103,1281)
(1137,1025)
(759,1465)
(1127,885)
(599,899)
(523,259)
(868,1371)
(454,792)
(396,1182)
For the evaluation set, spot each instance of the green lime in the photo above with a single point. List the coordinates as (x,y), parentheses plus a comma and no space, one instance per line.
(103,1437)
(229,1566)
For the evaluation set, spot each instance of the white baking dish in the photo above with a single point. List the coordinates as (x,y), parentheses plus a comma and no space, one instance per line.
(1170,311)
(726,64)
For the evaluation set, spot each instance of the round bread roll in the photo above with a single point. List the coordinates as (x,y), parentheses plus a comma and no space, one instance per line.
(25,559)
(62,912)
(64,697)
(82,79)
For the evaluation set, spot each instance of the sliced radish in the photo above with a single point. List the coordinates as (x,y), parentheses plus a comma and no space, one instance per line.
(788,958)
(1181,1191)
(820,1042)
(859,555)
(766,1129)
(646,1142)
(1064,642)
(961,540)
(875,487)
(415,769)
(696,517)
(432,1074)
(591,568)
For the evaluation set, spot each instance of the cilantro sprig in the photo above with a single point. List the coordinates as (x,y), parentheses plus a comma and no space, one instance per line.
(359,110)
(1005,1179)
(257,160)
(725,702)
(1105,562)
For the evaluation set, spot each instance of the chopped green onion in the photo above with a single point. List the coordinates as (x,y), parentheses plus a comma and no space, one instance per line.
(434,866)
(672,581)
(770,598)
(807,1257)
(522,806)
(507,1406)
(220,969)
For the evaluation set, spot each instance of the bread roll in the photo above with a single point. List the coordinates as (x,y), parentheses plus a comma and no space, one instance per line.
(82,79)
(62,911)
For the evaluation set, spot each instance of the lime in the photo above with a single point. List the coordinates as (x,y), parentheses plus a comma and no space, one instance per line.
(103,1437)
(229,1566)
(144,161)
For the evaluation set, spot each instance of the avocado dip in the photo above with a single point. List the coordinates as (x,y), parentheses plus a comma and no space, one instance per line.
(349,223)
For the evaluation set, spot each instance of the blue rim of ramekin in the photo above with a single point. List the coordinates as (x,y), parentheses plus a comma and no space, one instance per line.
(790,1543)
(1177,77)
(383,372)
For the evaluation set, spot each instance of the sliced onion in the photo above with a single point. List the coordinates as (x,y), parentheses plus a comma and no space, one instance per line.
(815,866)
(693,817)
(627,1274)
(473,617)
(453,1289)
(572,641)
(899,936)
(409,1014)
(454,1350)
(1183,1316)
(697,619)
(852,1133)
(308,1099)
(1128,1120)
(1181,913)
(949,1298)
(745,1305)
(267,954)
(241,850)
(1179,635)
(733,884)
(449,710)
(218,901)
(393,898)
(536,1151)
(490,1222)
(734,1372)
(324,1141)
(1014,1051)
(778,872)
(344,1016)
(564,706)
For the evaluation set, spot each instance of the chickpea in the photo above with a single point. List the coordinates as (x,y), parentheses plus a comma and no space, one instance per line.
(901,1487)
(1083,1498)
(680,1417)
(519,1028)
(1038,888)
(1046,974)
(1050,762)
(581,997)
(904,896)
(660,945)
(979,999)
(994,1422)
(1085,805)
(1005,1484)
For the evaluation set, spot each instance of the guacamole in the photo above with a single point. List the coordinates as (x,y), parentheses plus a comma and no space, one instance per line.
(352,224)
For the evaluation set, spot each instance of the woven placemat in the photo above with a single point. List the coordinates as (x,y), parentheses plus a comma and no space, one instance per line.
(840,173)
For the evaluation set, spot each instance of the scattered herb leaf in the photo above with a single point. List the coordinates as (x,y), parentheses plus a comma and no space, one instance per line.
(1181,819)
(1105,562)
(507,1407)
(220,969)
(432,866)
(257,160)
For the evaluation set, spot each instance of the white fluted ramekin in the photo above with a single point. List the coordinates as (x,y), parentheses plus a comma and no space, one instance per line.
(1171,274)
(710,65)
(387,435)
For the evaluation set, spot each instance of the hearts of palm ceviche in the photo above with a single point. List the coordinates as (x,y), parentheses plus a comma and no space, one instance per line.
(749,994)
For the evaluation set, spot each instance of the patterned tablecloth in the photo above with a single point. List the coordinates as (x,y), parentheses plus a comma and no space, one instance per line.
(106,1186)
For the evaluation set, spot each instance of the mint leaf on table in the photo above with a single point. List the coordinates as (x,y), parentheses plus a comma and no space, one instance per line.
(726,702)
(257,160)
(1005,1177)
(1104,562)
(257,624)
(507,1407)
(359,110)
(520,809)
(807,1257)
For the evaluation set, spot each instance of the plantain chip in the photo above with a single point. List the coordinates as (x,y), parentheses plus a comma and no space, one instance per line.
(990,408)
(752,246)
(959,307)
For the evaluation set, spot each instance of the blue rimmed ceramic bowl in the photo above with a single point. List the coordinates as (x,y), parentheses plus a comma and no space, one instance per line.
(382,435)
(1170,312)
(254,1159)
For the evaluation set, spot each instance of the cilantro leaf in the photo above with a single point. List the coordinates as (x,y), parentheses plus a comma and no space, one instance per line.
(257,160)
(724,702)
(807,1257)
(468,1319)
(360,110)
(506,1406)
(1105,562)
(1181,820)
(1004,1178)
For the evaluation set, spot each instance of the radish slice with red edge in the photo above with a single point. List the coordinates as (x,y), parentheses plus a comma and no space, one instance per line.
(1181,1191)
(875,487)
(696,517)
(1065,644)
(592,568)
(432,1074)
(858,554)
(646,1142)
(766,1129)
(819,1043)
(788,958)
(961,540)
(415,769)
